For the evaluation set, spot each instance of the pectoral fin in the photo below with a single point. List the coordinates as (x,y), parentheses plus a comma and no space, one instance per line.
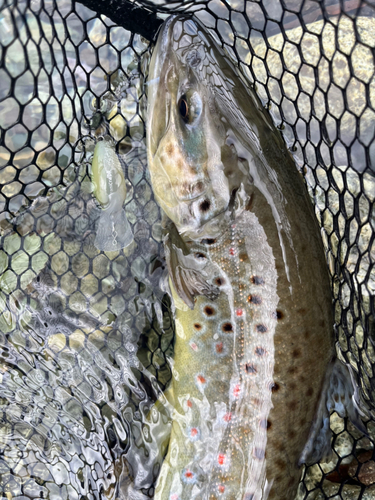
(189,276)
(339,394)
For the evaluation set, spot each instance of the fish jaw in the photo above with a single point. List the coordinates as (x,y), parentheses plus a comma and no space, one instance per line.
(184,152)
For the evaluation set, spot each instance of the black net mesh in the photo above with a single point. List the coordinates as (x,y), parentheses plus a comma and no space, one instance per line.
(86,335)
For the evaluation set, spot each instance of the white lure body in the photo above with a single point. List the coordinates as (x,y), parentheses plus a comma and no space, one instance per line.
(114,231)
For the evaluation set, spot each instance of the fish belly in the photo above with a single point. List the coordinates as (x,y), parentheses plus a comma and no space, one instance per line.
(246,379)
(223,376)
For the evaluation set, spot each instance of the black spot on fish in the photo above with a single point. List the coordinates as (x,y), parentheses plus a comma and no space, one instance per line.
(227,327)
(254,299)
(301,311)
(259,351)
(219,281)
(280,463)
(281,447)
(251,368)
(208,241)
(169,149)
(291,434)
(197,326)
(259,453)
(199,255)
(278,314)
(204,206)
(257,280)
(274,387)
(256,402)
(296,353)
(261,328)
(310,391)
(292,405)
(293,370)
(265,424)
(210,311)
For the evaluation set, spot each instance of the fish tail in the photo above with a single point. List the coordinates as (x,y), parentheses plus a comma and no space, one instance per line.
(343,395)
(340,394)
(114,231)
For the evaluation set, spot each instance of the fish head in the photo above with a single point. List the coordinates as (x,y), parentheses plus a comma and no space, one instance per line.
(185,132)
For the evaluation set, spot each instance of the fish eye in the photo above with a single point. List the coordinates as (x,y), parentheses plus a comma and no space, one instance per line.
(183,108)
(190,107)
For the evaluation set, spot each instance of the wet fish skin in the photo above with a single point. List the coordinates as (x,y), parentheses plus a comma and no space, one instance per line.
(249,365)
(114,231)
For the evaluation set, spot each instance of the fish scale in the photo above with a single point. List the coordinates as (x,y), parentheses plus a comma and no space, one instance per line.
(244,393)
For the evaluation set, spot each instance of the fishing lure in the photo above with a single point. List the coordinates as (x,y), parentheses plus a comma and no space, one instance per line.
(114,231)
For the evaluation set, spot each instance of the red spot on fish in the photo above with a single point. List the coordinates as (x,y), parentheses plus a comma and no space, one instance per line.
(189,403)
(194,346)
(236,390)
(231,251)
(221,459)
(174,496)
(228,416)
(189,474)
(201,379)
(193,432)
(219,347)
(221,488)
(239,312)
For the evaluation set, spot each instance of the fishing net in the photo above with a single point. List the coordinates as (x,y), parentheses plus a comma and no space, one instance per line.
(86,337)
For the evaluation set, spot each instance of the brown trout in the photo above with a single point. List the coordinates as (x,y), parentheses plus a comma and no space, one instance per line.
(254,372)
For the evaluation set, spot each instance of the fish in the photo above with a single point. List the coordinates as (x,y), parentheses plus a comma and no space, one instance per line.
(255,374)
(109,188)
